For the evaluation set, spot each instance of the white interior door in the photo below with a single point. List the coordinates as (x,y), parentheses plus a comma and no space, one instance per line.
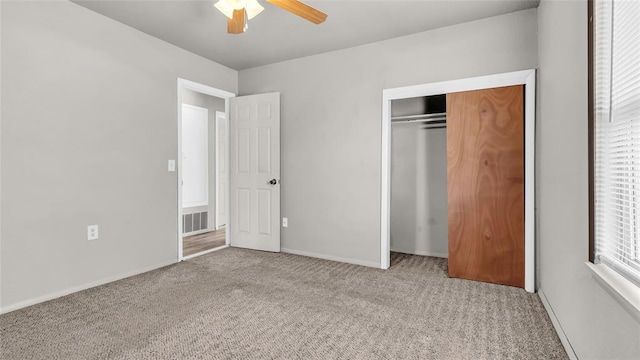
(254,169)
(195,169)
(221,169)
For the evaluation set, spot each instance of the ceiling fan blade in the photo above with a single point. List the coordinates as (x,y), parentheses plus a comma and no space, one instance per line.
(237,24)
(301,9)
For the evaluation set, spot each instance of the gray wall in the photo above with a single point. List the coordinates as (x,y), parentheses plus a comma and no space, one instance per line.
(418,184)
(596,325)
(212,104)
(88,123)
(331,122)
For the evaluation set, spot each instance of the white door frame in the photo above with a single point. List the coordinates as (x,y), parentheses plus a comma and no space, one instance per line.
(208,90)
(524,77)
(220,115)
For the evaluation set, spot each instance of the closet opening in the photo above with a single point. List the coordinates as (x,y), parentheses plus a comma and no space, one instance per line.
(419,176)
(488,136)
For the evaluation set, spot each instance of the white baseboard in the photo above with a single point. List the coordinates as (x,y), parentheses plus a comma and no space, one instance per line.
(556,324)
(422,253)
(205,252)
(332,258)
(57,294)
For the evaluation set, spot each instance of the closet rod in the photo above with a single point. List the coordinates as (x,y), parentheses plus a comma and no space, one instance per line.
(441,120)
(421,116)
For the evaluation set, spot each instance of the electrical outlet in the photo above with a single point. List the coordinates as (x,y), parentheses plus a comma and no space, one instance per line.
(92,232)
(171,165)
(285,222)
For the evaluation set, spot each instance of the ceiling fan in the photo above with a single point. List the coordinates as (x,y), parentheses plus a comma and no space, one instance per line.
(240,11)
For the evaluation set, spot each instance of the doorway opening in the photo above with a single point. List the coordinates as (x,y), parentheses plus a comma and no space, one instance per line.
(526,78)
(202,169)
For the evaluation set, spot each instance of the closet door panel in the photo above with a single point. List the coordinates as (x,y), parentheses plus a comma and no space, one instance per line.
(485,185)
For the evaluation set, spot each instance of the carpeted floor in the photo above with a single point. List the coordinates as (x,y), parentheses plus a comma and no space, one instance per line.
(243,304)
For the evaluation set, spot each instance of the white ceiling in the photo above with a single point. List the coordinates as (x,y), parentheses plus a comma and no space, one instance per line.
(276,35)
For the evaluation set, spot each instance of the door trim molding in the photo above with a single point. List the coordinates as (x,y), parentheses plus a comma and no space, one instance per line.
(524,77)
(220,116)
(184,84)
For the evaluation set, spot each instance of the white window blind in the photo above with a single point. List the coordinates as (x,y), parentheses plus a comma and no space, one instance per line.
(617,135)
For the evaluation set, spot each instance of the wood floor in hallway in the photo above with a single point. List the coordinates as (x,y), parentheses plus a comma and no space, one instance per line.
(202,242)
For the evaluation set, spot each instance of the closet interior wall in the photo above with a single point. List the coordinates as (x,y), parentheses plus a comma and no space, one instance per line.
(418,181)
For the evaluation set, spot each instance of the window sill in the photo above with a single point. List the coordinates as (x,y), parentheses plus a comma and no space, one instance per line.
(625,292)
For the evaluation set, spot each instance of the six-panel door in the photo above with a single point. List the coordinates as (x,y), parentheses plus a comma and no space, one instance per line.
(254,169)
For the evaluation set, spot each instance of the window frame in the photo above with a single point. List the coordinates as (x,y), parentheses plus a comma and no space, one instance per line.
(591,129)
(626,292)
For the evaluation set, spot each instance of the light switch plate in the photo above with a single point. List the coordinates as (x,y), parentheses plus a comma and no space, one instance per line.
(285,222)
(92,232)
(171,166)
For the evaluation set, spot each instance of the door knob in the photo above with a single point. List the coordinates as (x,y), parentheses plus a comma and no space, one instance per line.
(273,181)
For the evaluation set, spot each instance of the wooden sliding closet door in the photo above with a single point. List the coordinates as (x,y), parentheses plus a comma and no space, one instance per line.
(485,169)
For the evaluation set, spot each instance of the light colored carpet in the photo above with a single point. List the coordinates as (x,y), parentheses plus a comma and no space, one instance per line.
(243,304)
